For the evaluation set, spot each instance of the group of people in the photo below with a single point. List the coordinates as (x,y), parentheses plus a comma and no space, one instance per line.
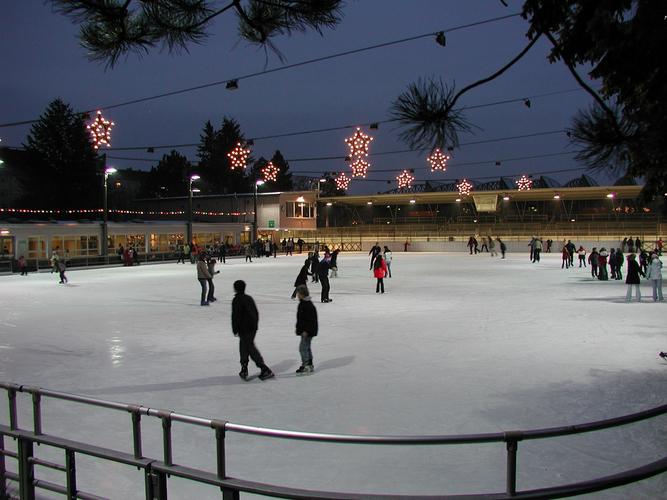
(488,245)
(319,271)
(129,255)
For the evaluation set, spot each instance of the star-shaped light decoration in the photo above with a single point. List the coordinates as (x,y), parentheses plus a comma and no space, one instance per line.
(464,187)
(438,160)
(100,131)
(238,157)
(405,179)
(359,168)
(269,172)
(524,184)
(342,181)
(358,144)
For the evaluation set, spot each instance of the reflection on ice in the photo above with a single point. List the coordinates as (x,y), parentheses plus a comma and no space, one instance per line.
(116,351)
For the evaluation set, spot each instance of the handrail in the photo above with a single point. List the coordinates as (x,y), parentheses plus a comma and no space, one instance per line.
(157,471)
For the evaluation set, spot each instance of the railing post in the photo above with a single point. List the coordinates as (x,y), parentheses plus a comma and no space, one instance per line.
(512,440)
(26,470)
(3,479)
(136,432)
(11,396)
(156,485)
(166,437)
(37,412)
(70,471)
(219,426)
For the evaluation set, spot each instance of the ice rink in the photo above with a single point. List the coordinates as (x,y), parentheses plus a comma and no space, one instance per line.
(458,344)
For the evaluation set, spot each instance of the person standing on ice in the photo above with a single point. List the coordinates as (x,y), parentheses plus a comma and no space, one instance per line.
(612,264)
(374,252)
(211,289)
(471,244)
(323,275)
(334,263)
(619,264)
(248,253)
(54,260)
(302,277)
(203,275)
(531,245)
(602,264)
(572,249)
(379,271)
(503,247)
(23,266)
(654,275)
(492,246)
(632,279)
(582,255)
(245,321)
(306,328)
(314,262)
(593,260)
(537,249)
(484,245)
(387,258)
(181,255)
(565,254)
(62,267)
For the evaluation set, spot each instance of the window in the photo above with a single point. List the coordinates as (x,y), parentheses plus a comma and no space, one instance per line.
(36,247)
(299,210)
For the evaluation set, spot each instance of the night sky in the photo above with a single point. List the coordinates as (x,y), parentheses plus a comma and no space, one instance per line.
(42,60)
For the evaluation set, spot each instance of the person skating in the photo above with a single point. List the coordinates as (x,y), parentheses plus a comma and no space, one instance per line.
(374,252)
(531,245)
(333,265)
(62,267)
(23,266)
(203,275)
(492,247)
(302,277)
(593,260)
(379,271)
(485,248)
(245,321)
(643,260)
(503,247)
(537,250)
(572,249)
(248,252)
(619,264)
(612,264)
(223,252)
(550,242)
(565,255)
(181,255)
(323,275)
(654,275)
(582,256)
(387,258)
(602,264)
(54,261)
(306,328)
(211,288)
(314,262)
(632,279)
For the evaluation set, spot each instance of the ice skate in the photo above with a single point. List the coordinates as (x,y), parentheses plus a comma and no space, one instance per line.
(266,373)
(663,355)
(244,372)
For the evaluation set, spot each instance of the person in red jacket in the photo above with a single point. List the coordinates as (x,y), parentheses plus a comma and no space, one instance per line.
(379,271)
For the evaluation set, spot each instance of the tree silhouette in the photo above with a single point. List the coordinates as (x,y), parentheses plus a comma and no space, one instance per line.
(170,177)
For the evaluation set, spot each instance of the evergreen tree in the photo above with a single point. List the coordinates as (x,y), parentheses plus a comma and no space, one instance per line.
(66,169)
(170,177)
(284,180)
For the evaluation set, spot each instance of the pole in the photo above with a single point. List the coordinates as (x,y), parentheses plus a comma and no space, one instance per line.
(105,229)
(254,218)
(189,235)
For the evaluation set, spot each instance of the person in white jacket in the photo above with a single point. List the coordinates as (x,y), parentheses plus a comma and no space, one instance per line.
(654,273)
(387,259)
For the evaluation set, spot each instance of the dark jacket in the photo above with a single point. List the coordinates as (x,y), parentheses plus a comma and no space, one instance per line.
(245,316)
(306,318)
(593,259)
(302,278)
(334,258)
(323,269)
(634,271)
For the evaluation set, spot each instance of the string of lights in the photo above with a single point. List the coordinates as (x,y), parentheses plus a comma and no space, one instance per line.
(36,211)
(234,81)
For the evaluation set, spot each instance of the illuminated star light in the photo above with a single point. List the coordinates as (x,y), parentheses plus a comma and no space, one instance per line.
(269,172)
(238,156)
(524,184)
(438,160)
(342,181)
(100,131)
(464,187)
(359,168)
(358,144)
(405,179)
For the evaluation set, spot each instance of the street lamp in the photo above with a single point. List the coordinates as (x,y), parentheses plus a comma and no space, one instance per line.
(105,230)
(254,203)
(192,178)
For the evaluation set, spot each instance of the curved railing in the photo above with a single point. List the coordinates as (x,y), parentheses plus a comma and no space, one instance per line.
(157,471)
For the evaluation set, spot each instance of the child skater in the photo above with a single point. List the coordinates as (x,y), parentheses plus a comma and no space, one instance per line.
(379,271)
(306,328)
(566,258)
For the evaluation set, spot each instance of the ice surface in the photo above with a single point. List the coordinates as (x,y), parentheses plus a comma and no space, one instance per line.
(458,344)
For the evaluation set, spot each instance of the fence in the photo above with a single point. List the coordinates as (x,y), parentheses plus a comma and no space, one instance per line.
(156,471)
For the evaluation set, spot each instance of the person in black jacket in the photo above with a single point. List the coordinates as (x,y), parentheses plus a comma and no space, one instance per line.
(314,263)
(333,265)
(302,278)
(323,275)
(245,319)
(632,278)
(306,328)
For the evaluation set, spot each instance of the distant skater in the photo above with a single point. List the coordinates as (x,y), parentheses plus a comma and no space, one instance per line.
(245,320)
(302,277)
(582,256)
(654,275)
(492,247)
(211,288)
(306,328)
(565,258)
(323,276)
(333,265)
(203,275)
(374,252)
(503,247)
(62,267)
(248,253)
(632,278)
(602,265)
(387,258)
(593,260)
(379,271)
(23,266)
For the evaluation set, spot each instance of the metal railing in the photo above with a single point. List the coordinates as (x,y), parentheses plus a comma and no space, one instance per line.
(157,471)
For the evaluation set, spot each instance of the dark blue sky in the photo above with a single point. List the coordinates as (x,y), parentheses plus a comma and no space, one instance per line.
(42,60)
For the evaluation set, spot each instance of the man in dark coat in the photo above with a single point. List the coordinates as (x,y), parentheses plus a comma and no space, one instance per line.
(306,328)
(374,252)
(302,278)
(245,319)
(323,275)
(632,278)
(314,263)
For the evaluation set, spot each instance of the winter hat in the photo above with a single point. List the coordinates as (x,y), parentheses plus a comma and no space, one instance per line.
(239,286)
(302,290)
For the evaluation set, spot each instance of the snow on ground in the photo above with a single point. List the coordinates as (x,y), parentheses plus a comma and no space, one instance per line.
(458,344)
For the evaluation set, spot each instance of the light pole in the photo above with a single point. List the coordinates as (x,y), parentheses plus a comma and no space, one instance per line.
(105,230)
(254,202)
(192,178)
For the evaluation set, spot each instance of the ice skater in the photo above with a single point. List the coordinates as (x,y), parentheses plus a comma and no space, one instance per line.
(306,328)
(211,288)
(654,275)
(23,266)
(492,247)
(248,253)
(302,277)
(582,256)
(374,252)
(387,259)
(593,260)
(54,261)
(484,245)
(245,320)
(333,265)
(503,247)
(619,264)
(632,278)
(203,275)
(379,271)
(323,277)
(537,249)
(181,254)
(62,267)
(602,264)
(566,258)
(314,262)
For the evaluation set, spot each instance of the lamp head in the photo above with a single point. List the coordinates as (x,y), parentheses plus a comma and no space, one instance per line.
(110,170)
(194,177)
